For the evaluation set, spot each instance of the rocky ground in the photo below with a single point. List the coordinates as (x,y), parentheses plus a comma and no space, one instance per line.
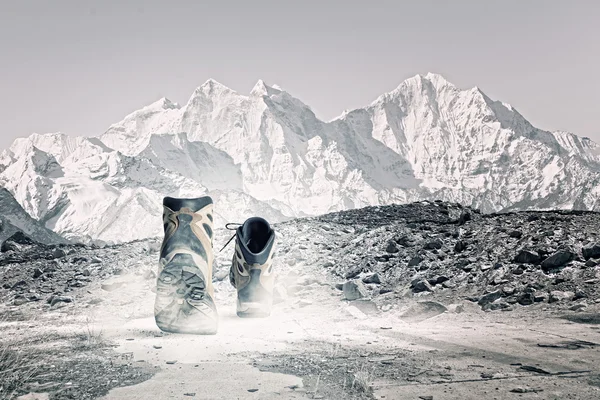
(384,301)
(434,249)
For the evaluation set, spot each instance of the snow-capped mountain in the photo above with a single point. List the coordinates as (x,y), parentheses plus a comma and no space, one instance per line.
(98,194)
(267,153)
(13,219)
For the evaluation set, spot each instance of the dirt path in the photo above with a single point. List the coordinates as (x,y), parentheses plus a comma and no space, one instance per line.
(329,349)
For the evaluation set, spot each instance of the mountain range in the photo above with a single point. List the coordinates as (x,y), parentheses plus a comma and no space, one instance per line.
(267,154)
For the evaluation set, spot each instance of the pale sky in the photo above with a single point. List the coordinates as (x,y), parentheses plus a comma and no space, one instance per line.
(78,66)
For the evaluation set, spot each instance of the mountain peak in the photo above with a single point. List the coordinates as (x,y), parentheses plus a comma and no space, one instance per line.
(212,85)
(163,104)
(262,89)
(438,81)
(210,82)
(434,77)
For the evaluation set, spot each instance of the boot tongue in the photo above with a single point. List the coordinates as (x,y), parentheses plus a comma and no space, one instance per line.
(193,204)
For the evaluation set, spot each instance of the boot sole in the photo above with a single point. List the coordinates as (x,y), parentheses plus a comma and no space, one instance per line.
(176,310)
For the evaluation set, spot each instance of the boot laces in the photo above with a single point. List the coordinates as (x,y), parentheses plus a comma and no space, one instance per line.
(232,226)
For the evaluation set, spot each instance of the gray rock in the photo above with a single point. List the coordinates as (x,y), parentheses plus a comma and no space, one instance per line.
(464,264)
(578,307)
(557,295)
(436,280)
(60,299)
(540,297)
(591,251)
(372,278)
(421,285)
(391,247)
(415,261)
(520,270)
(435,244)
(354,290)
(526,299)
(591,263)
(348,229)
(508,290)
(527,257)
(20,300)
(464,217)
(489,298)
(557,260)
(460,246)
(58,253)
(353,271)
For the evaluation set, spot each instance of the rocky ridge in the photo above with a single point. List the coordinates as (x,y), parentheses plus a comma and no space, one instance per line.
(376,255)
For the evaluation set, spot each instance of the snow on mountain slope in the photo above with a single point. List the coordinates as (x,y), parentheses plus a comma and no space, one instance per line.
(194,160)
(61,146)
(29,177)
(578,146)
(425,139)
(93,197)
(98,194)
(267,153)
(282,148)
(131,135)
(462,140)
(13,218)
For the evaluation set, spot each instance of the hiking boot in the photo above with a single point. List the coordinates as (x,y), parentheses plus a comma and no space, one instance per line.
(184,291)
(251,268)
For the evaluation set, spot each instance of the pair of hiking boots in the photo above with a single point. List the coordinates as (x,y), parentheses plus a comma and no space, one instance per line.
(184,291)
